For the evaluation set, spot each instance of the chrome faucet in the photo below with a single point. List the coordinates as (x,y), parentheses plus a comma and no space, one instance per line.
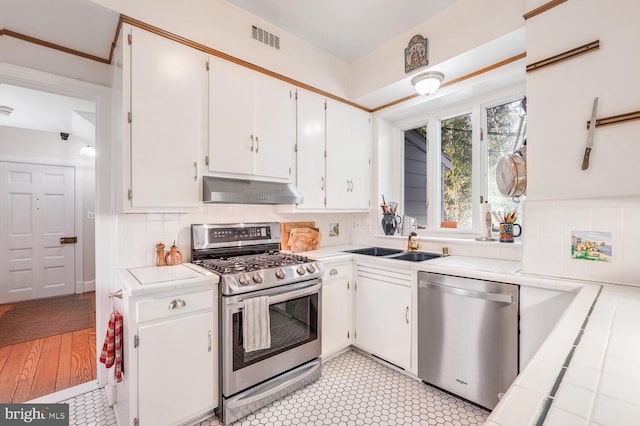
(413,243)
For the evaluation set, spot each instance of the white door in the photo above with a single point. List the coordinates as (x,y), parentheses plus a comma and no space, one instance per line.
(275,128)
(176,376)
(348,153)
(168,81)
(310,171)
(232,141)
(39,205)
(383,320)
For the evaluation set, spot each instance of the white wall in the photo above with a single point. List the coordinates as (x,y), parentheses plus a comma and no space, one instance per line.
(460,28)
(142,232)
(561,197)
(36,57)
(222,26)
(560,99)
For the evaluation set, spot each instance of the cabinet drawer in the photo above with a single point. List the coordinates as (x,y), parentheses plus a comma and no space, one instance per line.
(168,306)
(337,270)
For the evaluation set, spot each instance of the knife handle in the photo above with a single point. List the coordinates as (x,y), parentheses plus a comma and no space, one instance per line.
(585,160)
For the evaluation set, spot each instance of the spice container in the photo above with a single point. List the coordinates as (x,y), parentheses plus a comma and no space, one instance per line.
(173,257)
(160,254)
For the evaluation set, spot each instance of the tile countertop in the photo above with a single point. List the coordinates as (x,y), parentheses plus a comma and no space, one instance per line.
(587,372)
(156,279)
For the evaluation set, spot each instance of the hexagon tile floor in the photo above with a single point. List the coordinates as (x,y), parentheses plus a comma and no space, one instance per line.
(353,390)
(90,409)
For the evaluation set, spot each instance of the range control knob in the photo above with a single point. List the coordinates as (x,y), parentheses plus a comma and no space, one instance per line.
(243,279)
(310,268)
(257,278)
(301,270)
(280,273)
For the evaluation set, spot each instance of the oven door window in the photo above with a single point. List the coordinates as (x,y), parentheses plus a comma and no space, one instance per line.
(293,323)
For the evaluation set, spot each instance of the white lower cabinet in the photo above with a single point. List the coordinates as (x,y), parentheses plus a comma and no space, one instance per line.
(170,354)
(175,369)
(383,312)
(337,308)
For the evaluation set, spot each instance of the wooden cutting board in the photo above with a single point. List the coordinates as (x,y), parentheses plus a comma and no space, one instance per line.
(285,230)
(304,239)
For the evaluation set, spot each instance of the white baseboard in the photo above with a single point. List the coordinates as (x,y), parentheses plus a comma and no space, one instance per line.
(66,393)
(85,286)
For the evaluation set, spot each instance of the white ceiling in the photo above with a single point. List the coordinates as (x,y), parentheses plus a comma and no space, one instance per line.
(347,29)
(36,110)
(76,24)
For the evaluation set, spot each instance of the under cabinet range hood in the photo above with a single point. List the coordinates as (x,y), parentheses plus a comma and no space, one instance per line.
(241,191)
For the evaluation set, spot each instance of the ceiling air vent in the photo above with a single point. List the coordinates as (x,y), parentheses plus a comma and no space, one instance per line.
(265,37)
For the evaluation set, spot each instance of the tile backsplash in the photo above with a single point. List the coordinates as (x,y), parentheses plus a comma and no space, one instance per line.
(547,238)
(139,233)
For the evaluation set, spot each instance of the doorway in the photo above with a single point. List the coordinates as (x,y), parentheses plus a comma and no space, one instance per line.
(49,191)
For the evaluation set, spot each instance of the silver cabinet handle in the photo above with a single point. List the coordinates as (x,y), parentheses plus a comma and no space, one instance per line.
(177,303)
(322,183)
(492,297)
(333,271)
(406,315)
(348,185)
(252,143)
(257,144)
(195,166)
(351,185)
(210,340)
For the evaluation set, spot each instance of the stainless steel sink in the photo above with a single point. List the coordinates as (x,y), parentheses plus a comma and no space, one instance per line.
(375,251)
(416,256)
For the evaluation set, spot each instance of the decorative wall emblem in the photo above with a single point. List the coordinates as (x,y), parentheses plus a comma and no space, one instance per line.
(415,54)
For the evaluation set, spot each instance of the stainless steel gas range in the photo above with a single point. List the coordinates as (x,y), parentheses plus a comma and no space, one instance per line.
(250,265)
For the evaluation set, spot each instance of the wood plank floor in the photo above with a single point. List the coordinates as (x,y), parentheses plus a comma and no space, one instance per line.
(35,368)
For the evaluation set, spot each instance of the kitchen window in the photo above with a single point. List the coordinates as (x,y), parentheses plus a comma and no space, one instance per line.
(450,159)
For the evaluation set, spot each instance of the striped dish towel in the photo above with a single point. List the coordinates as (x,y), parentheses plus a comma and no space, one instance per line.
(256,324)
(111,354)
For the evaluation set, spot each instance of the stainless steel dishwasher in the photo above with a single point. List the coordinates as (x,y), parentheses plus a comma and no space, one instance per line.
(467,336)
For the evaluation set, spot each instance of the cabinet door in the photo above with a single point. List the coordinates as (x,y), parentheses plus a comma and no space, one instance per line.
(232,141)
(337,310)
(360,171)
(310,162)
(347,163)
(383,320)
(176,371)
(167,107)
(275,128)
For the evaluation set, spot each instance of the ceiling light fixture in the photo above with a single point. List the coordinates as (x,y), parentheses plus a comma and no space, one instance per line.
(87,151)
(427,82)
(5,110)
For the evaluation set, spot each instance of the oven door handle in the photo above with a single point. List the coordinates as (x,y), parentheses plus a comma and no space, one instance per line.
(281,296)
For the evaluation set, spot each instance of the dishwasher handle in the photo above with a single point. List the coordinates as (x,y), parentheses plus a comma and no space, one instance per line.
(492,297)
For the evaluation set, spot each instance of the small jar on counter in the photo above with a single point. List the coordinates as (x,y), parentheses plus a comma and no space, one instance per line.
(173,257)
(160,254)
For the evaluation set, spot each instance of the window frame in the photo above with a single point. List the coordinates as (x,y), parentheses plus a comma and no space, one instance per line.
(432,118)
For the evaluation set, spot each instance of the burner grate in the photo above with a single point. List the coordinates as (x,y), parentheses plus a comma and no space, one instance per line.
(249,263)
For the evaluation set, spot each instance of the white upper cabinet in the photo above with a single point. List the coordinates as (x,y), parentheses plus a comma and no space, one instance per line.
(310,164)
(348,145)
(333,152)
(164,95)
(251,123)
